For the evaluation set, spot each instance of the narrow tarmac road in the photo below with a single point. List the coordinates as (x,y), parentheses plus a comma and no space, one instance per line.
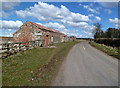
(87,66)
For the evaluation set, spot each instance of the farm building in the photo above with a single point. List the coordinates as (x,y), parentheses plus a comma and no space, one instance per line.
(72,38)
(30,31)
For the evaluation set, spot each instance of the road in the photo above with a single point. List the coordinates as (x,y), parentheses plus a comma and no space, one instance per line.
(87,66)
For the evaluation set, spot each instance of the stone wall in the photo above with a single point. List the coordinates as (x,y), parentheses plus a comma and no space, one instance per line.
(31,32)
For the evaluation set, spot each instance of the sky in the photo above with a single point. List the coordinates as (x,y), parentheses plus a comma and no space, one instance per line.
(71,18)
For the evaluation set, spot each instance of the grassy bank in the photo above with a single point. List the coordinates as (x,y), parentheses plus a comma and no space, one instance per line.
(36,67)
(107,49)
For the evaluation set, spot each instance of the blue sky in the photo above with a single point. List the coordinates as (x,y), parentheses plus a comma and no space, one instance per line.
(70,18)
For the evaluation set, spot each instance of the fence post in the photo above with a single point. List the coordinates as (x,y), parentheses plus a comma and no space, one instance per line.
(34,44)
(27,45)
(8,53)
(38,42)
(19,46)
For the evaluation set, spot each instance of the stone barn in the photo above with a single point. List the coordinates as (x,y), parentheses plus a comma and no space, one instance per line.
(72,38)
(30,31)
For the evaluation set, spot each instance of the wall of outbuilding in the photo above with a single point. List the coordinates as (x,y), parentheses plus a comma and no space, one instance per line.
(30,32)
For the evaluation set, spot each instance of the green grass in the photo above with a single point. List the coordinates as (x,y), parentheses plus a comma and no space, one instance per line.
(39,64)
(107,49)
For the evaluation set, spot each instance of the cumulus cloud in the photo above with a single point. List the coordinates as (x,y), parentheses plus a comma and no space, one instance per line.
(109,4)
(98,18)
(49,12)
(10,24)
(9,5)
(91,4)
(114,21)
(91,15)
(90,9)
(95,19)
(55,25)
(4,14)
(9,30)
(108,11)
(62,28)
(45,12)
(88,33)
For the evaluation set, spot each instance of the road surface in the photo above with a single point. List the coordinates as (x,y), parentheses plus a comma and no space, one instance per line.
(87,66)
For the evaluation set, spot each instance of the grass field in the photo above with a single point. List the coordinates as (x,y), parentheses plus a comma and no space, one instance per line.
(107,49)
(36,67)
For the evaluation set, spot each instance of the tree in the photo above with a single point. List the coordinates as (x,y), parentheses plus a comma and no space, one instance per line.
(109,33)
(102,34)
(97,32)
(112,33)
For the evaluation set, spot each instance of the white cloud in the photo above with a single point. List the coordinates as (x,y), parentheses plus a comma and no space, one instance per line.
(49,12)
(114,21)
(55,25)
(91,4)
(86,6)
(88,33)
(80,4)
(10,24)
(62,29)
(91,15)
(109,4)
(45,12)
(9,30)
(9,5)
(98,8)
(98,18)
(4,14)
(90,9)
(108,11)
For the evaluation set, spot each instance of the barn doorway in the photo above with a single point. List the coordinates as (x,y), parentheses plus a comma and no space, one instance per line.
(52,39)
(47,40)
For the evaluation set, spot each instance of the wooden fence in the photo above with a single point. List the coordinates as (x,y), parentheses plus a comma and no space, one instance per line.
(8,49)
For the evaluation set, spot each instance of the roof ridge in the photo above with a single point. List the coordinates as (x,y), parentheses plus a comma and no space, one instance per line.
(50,29)
(46,28)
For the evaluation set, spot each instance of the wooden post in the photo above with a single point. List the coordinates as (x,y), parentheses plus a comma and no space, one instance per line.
(27,45)
(8,53)
(34,44)
(19,46)
(38,42)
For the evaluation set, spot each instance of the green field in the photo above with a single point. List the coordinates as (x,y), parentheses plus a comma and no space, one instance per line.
(107,49)
(36,67)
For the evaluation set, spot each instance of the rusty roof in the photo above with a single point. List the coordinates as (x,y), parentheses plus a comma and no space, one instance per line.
(42,27)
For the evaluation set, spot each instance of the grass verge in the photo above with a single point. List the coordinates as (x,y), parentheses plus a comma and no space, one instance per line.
(107,49)
(36,67)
